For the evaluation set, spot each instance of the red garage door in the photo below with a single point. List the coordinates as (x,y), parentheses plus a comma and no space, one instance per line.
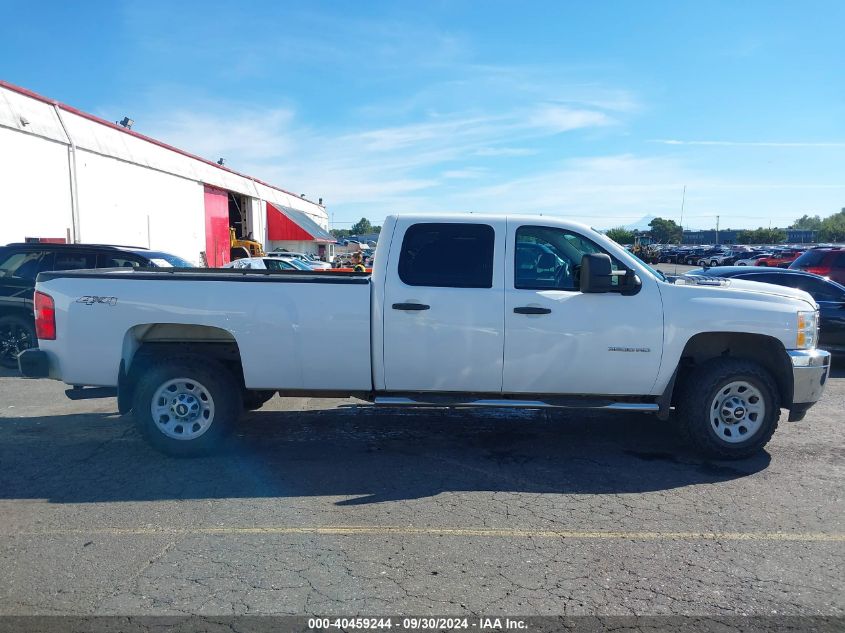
(216,226)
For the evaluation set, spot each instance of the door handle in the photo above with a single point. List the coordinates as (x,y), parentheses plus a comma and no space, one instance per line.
(531,310)
(410,306)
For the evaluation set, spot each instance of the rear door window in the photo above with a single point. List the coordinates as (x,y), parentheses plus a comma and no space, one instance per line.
(839,261)
(278,264)
(75,261)
(447,255)
(117,261)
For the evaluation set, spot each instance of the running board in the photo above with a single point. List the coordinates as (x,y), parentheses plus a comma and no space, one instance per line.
(446,401)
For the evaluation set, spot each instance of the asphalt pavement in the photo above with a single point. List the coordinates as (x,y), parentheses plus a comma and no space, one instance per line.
(331,507)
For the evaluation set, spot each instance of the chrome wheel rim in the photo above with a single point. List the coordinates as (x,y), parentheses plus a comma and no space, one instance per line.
(737,412)
(182,409)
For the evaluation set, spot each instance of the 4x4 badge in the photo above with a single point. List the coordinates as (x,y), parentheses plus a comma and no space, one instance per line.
(90,300)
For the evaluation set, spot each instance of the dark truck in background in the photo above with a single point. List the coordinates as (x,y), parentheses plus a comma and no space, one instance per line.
(20,264)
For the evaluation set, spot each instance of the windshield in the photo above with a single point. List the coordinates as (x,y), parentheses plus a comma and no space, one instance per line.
(811,258)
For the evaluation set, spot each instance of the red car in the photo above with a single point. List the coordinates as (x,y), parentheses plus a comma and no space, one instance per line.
(780,259)
(827,261)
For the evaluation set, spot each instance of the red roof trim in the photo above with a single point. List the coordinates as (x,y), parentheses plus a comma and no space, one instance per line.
(120,128)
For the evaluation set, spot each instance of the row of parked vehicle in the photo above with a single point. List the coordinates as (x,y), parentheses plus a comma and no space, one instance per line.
(827,261)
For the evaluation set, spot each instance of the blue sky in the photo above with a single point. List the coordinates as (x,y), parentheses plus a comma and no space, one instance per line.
(600,111)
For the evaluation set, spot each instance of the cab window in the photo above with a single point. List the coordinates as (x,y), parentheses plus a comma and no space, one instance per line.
(448,255)
(550,258)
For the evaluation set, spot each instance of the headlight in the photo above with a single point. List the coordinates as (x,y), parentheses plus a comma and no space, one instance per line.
(808,330)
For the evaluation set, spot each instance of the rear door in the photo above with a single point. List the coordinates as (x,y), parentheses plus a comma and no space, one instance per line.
(443,319)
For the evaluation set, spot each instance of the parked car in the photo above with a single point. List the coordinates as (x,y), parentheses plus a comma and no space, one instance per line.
(751,260)
(827,261)
(781,259)
(21,263)
(828,294)
(446,319)
(269,263)
(718,258)
(310,260)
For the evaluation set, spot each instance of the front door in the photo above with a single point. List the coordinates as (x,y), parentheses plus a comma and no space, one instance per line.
(443,322)
(562,341)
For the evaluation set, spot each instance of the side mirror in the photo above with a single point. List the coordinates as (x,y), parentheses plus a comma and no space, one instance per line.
(596,273)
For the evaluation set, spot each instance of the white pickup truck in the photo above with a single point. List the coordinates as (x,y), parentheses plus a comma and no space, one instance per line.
(460,310)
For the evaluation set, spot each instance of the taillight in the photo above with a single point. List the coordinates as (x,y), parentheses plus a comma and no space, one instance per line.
(818,270)
(45,317)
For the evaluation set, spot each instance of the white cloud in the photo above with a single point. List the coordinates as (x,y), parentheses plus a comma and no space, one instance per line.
(505,151)
(464,174)
(556,118)
(749,143)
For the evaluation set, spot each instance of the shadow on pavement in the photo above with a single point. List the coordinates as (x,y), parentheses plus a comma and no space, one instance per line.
(372,455)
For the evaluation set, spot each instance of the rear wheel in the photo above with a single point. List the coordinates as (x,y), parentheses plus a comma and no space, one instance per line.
(728,408)
(16,335)
(186,406)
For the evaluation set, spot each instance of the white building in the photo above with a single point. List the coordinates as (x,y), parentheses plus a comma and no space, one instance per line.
(70,176)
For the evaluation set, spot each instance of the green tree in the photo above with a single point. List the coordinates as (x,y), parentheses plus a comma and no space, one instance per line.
(361,226)
(807,222)
(666,231)
(621,235)
(339,233)
(761,236)
(833,228)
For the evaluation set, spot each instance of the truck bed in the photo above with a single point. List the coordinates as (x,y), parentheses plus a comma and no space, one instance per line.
(293,330)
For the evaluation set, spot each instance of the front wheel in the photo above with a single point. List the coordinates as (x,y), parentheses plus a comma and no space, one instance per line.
(728,408)
(185,407)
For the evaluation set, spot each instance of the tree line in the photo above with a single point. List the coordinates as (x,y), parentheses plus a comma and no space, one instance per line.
(663,231)
(361,227)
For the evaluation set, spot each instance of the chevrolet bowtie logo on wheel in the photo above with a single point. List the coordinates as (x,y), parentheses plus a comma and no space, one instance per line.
(90,300)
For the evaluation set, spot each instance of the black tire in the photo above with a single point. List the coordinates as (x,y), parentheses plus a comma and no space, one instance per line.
(256,398)
(209,378)
(696,397)
(16,335)
(763,264)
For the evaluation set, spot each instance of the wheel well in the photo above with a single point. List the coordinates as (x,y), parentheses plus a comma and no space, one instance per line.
(147,344)
(766,351)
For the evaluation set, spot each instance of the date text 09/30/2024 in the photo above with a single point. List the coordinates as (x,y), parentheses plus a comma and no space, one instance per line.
(418,623)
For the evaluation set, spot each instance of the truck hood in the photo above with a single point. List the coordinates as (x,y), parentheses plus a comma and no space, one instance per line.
(706,281)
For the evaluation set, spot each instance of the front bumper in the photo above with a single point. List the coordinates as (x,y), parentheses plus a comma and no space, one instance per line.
(809,375)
